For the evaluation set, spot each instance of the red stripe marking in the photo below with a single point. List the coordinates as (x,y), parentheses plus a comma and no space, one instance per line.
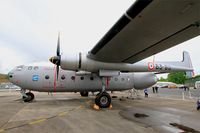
(107,82)
(54,78)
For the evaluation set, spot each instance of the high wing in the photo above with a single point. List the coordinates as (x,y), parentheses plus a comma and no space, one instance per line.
(148,27)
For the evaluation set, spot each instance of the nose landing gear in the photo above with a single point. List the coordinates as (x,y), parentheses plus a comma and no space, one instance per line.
(27,96)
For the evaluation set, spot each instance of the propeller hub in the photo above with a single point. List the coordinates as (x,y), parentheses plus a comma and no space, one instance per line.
(55,60)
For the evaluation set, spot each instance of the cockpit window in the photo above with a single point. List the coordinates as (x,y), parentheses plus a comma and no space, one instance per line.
(19,68)
(30,68)
(36,68)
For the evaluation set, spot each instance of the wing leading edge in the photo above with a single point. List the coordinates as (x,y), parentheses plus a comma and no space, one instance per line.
(148,27)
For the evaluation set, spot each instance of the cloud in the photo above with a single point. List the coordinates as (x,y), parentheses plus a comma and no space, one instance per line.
(29,29)
(10,58)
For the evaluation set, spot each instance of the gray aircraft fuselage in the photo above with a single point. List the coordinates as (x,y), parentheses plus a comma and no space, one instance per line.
(44,79)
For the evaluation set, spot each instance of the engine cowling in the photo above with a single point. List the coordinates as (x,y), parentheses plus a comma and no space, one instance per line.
(144,80)
(71,62)
(83,63)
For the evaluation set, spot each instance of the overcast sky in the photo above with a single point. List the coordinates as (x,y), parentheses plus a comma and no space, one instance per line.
(29,30)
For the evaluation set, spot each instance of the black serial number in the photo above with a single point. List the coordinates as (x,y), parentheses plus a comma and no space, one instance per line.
(162,67)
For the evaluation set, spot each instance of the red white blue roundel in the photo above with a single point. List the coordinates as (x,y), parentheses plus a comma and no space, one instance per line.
(150,66)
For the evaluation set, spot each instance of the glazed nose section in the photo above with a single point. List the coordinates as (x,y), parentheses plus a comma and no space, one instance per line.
(11,75)
(15,74)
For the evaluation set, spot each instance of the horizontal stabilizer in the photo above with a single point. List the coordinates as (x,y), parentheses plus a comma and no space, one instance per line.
(184,65)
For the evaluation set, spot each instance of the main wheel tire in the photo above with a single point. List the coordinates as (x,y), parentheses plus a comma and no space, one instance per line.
(84,93)
(97,99)
(103,100)
(29,98)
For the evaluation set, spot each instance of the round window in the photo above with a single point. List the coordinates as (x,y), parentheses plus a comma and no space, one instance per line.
(47,77)
(63,77)
(73,77)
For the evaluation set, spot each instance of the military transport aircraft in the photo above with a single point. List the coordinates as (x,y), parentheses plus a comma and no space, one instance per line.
(114,64)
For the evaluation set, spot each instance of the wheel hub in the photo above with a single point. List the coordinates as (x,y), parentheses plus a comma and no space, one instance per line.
(104,100)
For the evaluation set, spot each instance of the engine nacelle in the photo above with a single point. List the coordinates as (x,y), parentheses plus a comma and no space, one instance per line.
(83,63)
(71,62)
(144,80)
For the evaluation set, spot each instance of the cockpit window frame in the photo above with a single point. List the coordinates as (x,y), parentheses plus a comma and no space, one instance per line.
(19,68)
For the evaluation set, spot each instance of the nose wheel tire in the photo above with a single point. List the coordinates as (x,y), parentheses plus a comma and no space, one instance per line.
(29,98)
(103,100)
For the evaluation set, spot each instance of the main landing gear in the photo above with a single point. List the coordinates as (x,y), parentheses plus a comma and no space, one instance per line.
(103,99)
(27,96)
(84,93)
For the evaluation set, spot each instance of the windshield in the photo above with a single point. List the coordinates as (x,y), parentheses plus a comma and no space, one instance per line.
(19,68)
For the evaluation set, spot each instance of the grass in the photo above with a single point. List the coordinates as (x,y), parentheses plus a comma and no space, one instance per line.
(3,78)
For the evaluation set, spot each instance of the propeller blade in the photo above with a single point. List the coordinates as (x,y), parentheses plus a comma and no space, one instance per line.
(57,71)
(58,46)
(56,60)
(54,86)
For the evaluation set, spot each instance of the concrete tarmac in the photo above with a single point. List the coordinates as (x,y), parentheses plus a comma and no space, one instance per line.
(68,112)
(177,93)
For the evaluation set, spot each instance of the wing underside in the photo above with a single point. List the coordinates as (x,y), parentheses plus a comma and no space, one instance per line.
(148,27)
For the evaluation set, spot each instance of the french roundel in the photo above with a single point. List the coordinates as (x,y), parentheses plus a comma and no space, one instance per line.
(150,66)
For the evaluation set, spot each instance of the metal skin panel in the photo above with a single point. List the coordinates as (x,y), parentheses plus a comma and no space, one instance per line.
(161,24)
(23,79)
(34,77)
(144,80)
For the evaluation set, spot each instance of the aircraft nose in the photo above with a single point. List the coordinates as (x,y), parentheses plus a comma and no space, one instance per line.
(10,75)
